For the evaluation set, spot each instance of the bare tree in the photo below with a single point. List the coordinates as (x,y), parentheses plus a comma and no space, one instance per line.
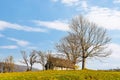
(11,63)
(70,47)
(25,59)
(88,40)
(29,61)
(8,65)
(41,58)
(33,57)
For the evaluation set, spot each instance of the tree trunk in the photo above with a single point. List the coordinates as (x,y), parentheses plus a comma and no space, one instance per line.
(28,68)
(83,61)
(31,68)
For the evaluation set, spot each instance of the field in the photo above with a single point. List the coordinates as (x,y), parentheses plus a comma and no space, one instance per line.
(61,75)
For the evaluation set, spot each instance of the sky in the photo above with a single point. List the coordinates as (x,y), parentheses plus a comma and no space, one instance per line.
(40,24)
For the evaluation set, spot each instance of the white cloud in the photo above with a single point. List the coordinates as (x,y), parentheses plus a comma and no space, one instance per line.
(115,51)
(105,17)
(70,2)
(114,59)
(5,25)
(58,25)
(9,47)
(84,5)
(107,63)
(77,3)
(116,1)
(20,42)
(67,2)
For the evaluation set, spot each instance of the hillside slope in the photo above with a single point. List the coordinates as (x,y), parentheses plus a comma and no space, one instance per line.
(17,68)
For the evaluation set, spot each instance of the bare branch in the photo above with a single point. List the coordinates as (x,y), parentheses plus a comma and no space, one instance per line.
(85,40)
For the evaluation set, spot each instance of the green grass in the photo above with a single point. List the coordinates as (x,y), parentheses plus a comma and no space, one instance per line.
(61,75)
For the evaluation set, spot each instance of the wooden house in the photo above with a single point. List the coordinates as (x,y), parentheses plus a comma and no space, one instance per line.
(59,64)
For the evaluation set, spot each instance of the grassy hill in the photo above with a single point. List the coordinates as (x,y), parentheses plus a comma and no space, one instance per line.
(61,75)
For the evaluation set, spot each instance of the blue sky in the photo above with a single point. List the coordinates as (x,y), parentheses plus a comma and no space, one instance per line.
(39,24)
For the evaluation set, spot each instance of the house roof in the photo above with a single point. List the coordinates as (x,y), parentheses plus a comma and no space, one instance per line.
(59,62)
